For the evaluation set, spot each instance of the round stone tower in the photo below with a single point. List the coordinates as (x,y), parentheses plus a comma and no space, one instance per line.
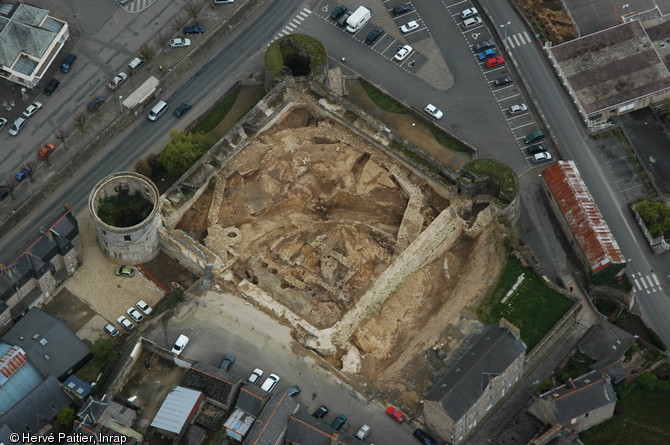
(124,207)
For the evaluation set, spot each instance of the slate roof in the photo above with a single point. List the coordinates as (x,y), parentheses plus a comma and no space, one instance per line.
(465,382)
(215,383)
(580,396)
(48,343)
(251,399)
(23,34)
(605,341)
(77,386)
(92,410)
(5,431)
(582,215)
(270,425)
(304,430)
(37,408)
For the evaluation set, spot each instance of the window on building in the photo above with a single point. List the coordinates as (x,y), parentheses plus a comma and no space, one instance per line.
(627,107)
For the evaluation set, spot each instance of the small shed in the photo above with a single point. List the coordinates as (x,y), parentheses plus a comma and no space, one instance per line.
(177,410)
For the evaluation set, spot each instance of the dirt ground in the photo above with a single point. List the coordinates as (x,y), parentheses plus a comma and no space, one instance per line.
(167,270)
(315,213)
(549,18)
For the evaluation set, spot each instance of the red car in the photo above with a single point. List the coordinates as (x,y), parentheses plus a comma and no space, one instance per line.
(45,152)
(494,61)
(395,414)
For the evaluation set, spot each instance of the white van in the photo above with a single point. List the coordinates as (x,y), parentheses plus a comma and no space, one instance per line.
(358,19)
(472,22)
(135,64)
(158,110)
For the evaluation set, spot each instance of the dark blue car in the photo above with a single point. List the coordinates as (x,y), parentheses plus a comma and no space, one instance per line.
(423,437)
(194,29)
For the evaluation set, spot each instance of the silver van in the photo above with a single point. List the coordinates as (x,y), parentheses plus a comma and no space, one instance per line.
(472,22)
(135,64)
(158,110)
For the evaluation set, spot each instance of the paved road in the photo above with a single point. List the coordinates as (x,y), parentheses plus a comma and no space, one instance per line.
(575,144)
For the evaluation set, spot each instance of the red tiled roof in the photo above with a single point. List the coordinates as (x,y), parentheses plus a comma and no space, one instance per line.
(583,216)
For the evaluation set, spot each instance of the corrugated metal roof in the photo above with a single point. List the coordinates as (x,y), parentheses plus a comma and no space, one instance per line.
(583,215)
(176,408)
(10,362)
(22,381)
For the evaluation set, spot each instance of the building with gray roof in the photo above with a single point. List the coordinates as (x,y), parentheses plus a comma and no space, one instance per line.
(108,418)
(302,429)
(270,426)
(49,344)
(605,341)
(30,41)
(40,406)
(579,404)
(18,377)
(478,381)
(177,410)
(249,405)
(215,383)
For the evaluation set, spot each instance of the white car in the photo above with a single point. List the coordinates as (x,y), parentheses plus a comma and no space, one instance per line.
(544,156)
(3,122)
(364,432)
(180,42)
(117,80)
(180,344)
(467,13)
(255,376)
(270,383)
(111,330)
(135,314)
(518,109)
(123,321)
(32,109)
(17,126)
(403,52)
(433,111)
(409,27)
(144,307)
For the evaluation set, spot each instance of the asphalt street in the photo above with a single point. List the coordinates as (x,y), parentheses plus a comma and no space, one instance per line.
(571,136)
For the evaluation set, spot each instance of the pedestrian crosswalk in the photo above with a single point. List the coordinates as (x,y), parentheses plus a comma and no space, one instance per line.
(646,283)
(135,6)
(518,39)
(293,24)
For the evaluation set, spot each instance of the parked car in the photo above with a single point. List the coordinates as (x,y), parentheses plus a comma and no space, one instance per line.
(482,45)
(293,391)
(537,148)
(123,321)
(502,81)
(17,126)
(535,136)
(3,122)
(32,109)
(144,307)
(467,13)
(544,156)
(22,174)
(180,344)
(472,22)
(374,35)
(255,376)
(403,52)
(486,53)
(45,151)
(4,191)
(125,271)
(180,42)
(342,21)
(364,432)
(338,12)
(117,80)
(517,109)
(321,412)
(51,87)
(494,61)
(194,29)
(402,9)
(339,421)
(67,64)
(270,383)
(95,103)
(423,437)
(182,109)
(111,330)
(410,26)
(433,111)
(227,362)
(135,314)
(395,414)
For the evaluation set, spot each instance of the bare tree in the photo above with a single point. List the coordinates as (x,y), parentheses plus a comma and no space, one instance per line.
(9,186)
(162,39)
(178,23)
(62,135)
(79,121)
(30,169)
(193,10)
(147,53)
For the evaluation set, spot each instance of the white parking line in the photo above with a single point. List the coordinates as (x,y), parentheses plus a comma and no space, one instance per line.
(492,70)
(384,50)
(520,126)
(501,89)
(457,3)
(509,97)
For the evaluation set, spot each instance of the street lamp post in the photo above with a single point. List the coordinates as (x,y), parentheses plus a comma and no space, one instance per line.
(120,104)
(505,27)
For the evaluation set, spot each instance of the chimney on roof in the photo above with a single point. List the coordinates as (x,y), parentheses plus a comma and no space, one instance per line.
(47,233)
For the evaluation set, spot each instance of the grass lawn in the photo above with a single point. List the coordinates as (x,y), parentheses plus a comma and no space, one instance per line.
(534,308)
(502,173)
(212,120)
(449,142)
(641,418)
(383,101)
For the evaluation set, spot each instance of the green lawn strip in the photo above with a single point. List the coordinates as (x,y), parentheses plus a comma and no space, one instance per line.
(449,142)
(534,308)
(383,101)
(497,170)
(216,116)
(641,418)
